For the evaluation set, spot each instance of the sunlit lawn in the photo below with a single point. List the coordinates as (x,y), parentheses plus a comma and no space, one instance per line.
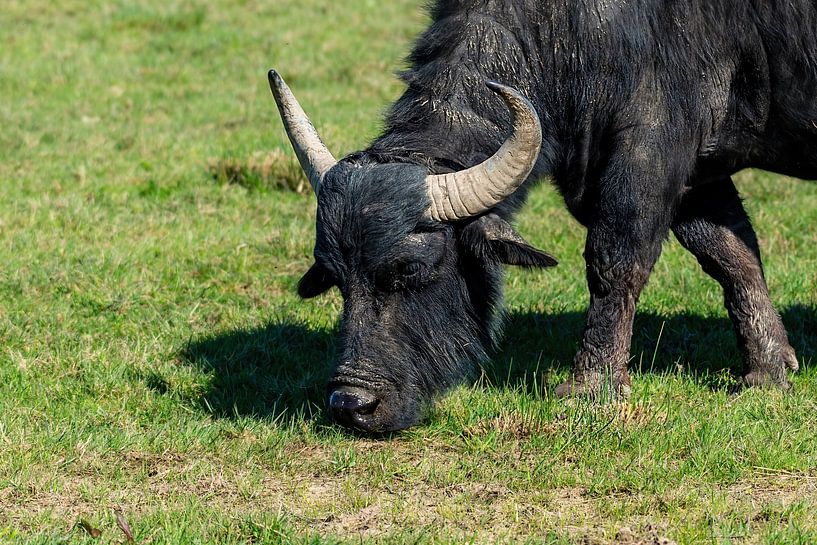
(155,358)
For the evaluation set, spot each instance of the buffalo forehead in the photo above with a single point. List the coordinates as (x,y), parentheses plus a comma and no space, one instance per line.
(365,210)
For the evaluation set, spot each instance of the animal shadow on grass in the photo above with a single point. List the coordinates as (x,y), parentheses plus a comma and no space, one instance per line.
(281,370)
(700,346)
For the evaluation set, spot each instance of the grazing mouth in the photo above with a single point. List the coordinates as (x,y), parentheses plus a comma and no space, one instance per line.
(352,406)
(353,399)
(370,407)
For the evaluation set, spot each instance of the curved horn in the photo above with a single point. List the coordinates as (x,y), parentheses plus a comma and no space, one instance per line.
(314,156)
(464,194)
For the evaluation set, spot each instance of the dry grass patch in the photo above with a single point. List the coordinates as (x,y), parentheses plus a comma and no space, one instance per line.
(313,495)
(517,425)
(261,170)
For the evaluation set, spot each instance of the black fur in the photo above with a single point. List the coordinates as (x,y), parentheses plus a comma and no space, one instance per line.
(642,102)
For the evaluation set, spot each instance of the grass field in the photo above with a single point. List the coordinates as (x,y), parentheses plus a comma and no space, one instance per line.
(155,359)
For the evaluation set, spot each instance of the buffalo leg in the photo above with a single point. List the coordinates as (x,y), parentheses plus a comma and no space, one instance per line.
(623,244)
(713,225)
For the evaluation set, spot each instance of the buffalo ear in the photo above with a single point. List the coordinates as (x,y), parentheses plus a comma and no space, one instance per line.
(316,281)
(493,237)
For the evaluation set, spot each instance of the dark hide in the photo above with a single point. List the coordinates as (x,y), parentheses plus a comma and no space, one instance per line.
(647,108)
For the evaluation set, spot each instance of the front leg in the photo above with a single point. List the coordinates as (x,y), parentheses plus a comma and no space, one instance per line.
(623,243)
(618,266)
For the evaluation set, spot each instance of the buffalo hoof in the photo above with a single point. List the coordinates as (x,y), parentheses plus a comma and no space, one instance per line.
(771,371)
(596,387)
(790,358)
(762,379)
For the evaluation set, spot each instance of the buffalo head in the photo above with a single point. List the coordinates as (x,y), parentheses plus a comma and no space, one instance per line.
(418,259)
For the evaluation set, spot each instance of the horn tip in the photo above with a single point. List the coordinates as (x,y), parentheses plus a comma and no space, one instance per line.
(276,83)
(493,85)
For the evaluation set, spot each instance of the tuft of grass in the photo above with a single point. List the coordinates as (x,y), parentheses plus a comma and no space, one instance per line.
(272,170)
(171,18)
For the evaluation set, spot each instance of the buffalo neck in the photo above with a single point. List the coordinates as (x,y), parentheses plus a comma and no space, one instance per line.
(447,118)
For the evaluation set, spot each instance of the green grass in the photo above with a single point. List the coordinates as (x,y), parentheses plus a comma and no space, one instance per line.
(154,356)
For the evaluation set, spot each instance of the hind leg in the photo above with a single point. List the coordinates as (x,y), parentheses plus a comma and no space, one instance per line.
(713,225)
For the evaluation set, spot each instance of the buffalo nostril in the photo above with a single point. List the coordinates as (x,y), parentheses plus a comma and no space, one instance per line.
(349,402)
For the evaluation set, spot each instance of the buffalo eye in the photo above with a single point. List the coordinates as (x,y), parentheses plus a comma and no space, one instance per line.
(412,269)
(411,263)
(413,274)
(403,275)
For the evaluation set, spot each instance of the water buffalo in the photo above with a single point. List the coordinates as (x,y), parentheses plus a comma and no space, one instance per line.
(639,111)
